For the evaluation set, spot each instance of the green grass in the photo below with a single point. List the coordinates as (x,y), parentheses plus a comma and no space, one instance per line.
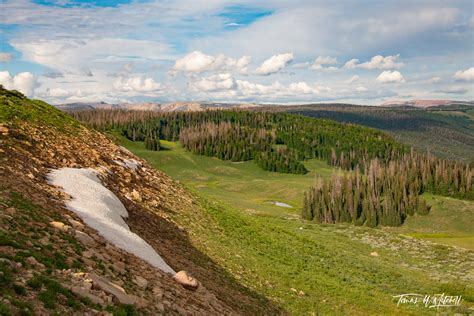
(236,183)
(449,222)
(270,250)
(15,109)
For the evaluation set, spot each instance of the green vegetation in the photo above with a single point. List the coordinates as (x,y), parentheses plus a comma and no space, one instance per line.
(304,267)
(15,108)
(450,222)
(387,194)
(278,142)
(384,190)
(445,131)
(236,183)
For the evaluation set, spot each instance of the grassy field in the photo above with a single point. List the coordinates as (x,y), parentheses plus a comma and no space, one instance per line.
(450,222)
(236,183)
(308,268)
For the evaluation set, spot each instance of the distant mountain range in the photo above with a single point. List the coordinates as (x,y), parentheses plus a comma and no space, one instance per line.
(424,103)
(150,106)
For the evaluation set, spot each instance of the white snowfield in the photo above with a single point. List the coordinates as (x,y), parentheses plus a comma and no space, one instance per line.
(100,209)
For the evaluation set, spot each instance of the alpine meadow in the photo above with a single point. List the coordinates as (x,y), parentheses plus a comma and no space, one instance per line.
(236,158)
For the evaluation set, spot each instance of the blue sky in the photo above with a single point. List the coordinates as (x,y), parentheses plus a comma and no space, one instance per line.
(364,52)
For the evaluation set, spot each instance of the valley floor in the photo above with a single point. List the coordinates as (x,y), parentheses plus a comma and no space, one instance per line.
(310,268)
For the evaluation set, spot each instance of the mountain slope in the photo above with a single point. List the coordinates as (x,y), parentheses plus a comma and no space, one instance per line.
(52,262)
(446,131)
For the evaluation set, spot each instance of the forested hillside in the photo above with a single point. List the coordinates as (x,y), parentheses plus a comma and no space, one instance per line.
(276,141)
(445,131)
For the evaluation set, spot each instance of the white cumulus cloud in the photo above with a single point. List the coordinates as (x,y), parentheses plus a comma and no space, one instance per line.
(322,61)
(274,64)
(199,62)
(215,83)
(464,75)
(58,93)
(434,80)
(353,79)
(25,82)
(390,77)
(377,62)
(136,84)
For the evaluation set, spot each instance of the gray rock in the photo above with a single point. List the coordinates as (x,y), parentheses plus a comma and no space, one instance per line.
(84,238)
(116,291)
(141,282)
(84,293)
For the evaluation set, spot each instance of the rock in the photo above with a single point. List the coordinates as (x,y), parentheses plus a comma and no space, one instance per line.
(88,262)
(59,225)
(31,261)
(85,293)
(119,267)
(44,241)
(136,196)
(3,129)
(116,291)
(141,282)
(157,292)
(374,254)
(88,254)
(11,211)
(186,280)
(301,293)
(84,238)
(76,224)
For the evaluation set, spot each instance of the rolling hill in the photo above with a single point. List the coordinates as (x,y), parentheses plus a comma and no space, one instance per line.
(446,131)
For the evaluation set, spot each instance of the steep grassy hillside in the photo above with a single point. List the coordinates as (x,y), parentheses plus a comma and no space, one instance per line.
(306,267)
(52,263)
(446,131)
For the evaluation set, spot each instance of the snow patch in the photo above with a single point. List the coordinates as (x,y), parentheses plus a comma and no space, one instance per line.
(100,209)
(281,204)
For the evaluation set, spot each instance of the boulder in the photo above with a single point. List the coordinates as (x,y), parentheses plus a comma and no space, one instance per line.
(116,291)
(76,224)
(84,238)
(79,291)
(141,282)
(59,225)
(183,278)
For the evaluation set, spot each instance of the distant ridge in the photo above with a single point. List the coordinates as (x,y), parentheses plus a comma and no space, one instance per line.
(151,106)
(424,103)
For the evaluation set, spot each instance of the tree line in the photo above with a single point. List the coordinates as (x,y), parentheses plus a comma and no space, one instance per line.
(385,194)
(234,135)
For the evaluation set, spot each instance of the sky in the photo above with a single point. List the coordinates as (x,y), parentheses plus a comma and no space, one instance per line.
(363,52)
